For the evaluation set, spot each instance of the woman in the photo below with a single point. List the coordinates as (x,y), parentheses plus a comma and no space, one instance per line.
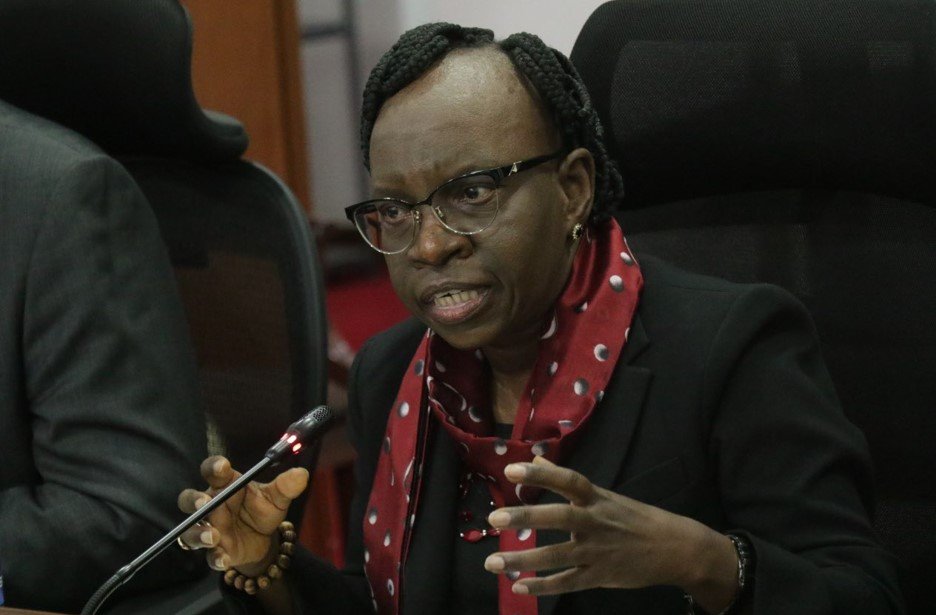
(598,435)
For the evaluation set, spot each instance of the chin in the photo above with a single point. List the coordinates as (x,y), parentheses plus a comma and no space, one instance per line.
(465,337)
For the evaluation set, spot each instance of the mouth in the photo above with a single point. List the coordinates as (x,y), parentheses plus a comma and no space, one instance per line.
(454,305)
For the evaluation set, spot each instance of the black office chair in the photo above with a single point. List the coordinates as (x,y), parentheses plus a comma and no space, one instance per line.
(119,72)
(794,142)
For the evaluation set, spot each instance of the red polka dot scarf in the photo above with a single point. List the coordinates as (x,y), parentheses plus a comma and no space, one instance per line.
(449,387)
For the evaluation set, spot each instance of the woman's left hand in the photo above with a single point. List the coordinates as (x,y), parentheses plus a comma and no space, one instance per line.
(615,541)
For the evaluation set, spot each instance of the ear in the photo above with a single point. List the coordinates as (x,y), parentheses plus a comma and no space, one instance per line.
(577,180)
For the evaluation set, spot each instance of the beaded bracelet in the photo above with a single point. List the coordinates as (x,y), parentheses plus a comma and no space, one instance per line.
(287,534)
(745,572)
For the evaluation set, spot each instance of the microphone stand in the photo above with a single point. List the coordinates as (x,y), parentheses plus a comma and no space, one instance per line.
(126,573)
(292,440)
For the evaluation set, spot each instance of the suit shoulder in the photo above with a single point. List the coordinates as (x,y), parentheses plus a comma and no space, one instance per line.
(31,136)
(393,344)
(673,298)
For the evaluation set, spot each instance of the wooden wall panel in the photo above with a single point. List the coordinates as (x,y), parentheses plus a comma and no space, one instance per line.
(246,64)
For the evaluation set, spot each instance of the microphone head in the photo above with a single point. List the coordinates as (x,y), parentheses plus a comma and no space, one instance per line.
(301,433)
(312,421)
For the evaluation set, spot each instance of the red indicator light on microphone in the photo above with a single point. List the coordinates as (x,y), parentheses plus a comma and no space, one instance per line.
(296,446)
(291,439)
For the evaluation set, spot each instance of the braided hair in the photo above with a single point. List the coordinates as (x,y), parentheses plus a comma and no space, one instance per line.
(549,71)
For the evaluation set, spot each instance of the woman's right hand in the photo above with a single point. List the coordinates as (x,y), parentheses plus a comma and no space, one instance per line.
(242,531)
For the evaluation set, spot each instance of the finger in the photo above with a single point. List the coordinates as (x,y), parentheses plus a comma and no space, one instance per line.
(571,580)
(541,516)
(217,472)
(286,487)
(544,474)
(200,537)
(552,557)
(191,500)
(218,559)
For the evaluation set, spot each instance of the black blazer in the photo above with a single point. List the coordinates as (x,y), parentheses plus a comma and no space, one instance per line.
(99,423)
(721,409)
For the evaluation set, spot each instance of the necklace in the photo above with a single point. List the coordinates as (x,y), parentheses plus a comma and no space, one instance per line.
(470,487)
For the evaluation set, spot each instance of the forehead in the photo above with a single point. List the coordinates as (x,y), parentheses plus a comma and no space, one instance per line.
(471,110)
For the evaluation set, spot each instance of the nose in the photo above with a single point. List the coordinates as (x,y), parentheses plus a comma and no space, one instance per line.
(434,244)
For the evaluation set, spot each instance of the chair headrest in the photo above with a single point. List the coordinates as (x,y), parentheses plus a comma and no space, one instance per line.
(116,71)
(722,96)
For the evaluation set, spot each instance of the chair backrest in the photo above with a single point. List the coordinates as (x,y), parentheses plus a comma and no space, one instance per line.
(119,72)
(251,282)
(116,71)
(794,142)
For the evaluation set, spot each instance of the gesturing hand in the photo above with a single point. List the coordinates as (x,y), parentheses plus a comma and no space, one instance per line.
(241,531)
(614,541)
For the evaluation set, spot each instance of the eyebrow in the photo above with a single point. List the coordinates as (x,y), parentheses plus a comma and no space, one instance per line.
(380,192)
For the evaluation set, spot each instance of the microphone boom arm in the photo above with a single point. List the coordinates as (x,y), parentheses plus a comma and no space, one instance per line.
(296,435)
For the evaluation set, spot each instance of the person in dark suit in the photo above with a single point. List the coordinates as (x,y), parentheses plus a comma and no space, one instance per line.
(99,422)
(564,427)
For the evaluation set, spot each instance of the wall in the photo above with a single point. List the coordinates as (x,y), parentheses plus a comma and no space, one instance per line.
(557,22)
(252,74)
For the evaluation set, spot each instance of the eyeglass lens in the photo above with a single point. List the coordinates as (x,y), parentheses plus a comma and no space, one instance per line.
(465,205)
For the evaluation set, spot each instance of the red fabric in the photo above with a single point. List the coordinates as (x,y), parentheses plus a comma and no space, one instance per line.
(450,387)
(360,308)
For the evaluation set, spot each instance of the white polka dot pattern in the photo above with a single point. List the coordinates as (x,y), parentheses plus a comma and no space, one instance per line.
(586,332)
(601,352)
(551,331)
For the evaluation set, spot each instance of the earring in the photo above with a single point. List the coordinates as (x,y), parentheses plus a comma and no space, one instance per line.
(577,231)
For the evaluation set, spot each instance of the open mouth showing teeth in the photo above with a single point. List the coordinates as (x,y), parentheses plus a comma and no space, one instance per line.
(454,297)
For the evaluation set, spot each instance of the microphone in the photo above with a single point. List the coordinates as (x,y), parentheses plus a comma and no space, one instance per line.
(298,435)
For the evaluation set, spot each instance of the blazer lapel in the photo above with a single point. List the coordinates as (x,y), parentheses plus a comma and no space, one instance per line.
(601,451)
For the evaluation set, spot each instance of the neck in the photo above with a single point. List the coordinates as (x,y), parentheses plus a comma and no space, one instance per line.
(510,371)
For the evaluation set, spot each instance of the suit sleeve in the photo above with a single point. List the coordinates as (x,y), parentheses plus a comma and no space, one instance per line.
(320,587)
(794,473)
(110,388)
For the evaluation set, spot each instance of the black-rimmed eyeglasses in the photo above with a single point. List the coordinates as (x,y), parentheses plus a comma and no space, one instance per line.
(465,205)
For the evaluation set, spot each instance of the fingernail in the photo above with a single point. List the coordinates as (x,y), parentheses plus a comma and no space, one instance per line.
(201,502)
(207,538)
(217,466)
(494,563)
(499,518)
(219,563)
(519,588)
(515,470)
